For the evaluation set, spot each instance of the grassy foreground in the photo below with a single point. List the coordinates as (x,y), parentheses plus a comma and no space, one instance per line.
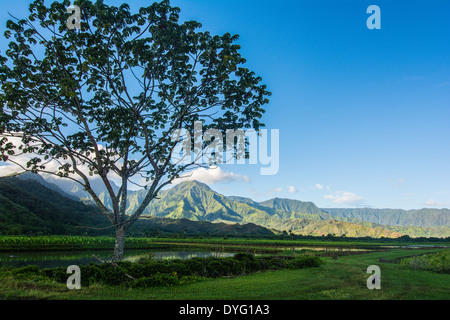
(344,278)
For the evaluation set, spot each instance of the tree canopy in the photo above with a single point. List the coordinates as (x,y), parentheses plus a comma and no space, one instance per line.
(105,100)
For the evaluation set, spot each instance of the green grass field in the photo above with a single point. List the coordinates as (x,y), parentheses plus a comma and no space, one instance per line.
(337,279)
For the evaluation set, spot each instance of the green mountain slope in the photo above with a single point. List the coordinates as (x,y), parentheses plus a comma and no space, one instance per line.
(333,227)
(31,206)
(289,205)
(415,223)
(295,209)
(395,217)
(156,226)
(196,201)
(432,219)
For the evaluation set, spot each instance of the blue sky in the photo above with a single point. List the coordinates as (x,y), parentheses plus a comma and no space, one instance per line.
(363,115)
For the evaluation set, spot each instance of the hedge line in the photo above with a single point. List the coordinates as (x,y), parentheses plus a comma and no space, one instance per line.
(151,273)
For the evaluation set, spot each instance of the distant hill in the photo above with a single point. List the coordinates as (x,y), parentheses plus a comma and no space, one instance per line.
(45,182)
(30,205)
(294,209)
(395,217)
(289,205)
(160,226)
(195,201)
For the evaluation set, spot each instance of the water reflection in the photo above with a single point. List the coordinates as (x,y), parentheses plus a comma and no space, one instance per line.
(325,249)
(67,258)
(64,259)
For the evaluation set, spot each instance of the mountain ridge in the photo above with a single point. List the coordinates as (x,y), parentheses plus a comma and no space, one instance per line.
(197,201)
(29,207)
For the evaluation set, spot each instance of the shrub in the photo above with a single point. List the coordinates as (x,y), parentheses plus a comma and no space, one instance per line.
(30,272)
(436,262)
(56,274)
(31,269)
(150,273)
(216,269)
(157,280)
(196,266)
(244,256)
(305,262)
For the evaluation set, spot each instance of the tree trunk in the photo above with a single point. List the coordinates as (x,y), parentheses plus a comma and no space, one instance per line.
(119,245)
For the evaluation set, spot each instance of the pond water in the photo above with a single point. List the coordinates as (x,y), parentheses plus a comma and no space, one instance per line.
(67,258)
(51,259)
(339,249)
(414,246)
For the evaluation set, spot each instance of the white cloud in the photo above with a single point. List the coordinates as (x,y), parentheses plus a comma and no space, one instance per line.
(345,198)
(317,186)
(6,170)
(206,175)
(433,203)
(292,189)
(51,166)
(211,175)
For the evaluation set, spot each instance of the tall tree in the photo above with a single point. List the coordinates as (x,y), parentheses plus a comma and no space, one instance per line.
(107,100)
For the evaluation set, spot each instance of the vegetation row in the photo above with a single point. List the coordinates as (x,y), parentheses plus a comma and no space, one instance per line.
(8,243)
(435,262)
(150,273)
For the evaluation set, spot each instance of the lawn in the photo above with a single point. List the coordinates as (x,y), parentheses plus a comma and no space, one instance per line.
(341,279)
